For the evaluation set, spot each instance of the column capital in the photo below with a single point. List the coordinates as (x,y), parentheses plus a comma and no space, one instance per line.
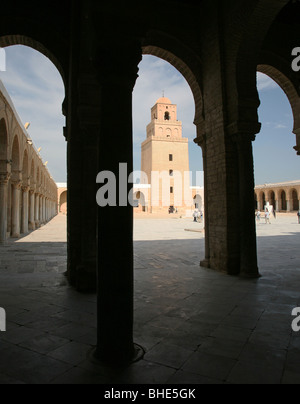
(17,184)
(201,140)
(244,129)
(4,178)
(243,138)
(115,66)
(25,188)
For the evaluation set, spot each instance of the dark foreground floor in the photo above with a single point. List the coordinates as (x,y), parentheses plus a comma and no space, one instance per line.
(197,326)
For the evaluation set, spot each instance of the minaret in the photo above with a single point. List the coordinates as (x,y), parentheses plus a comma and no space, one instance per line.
(165,150)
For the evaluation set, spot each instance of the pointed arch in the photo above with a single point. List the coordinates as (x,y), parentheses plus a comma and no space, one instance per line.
(25,168)
(3,140)
(15,158)
(171,50)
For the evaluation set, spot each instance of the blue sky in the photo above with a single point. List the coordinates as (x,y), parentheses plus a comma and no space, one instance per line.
(37,91)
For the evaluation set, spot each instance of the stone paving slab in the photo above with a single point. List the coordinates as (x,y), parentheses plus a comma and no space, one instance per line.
(197,326)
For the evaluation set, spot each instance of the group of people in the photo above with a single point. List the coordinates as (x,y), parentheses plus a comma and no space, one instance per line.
(198,216)
(268,215)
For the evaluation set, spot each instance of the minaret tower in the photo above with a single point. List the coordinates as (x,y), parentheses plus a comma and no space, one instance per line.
(165,150)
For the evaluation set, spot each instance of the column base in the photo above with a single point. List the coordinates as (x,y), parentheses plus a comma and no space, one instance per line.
(205,263)
(83,280)
(16,236)
(31,226)
(249,275)
(97,358)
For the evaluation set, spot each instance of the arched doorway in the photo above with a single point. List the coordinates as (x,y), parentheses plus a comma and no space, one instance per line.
(295,200)
(262,201)
(198,202)
(3,180)
(272,199)
(283,201)
(63,206)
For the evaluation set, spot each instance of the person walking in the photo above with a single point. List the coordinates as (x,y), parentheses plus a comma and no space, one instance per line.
(258,215)
(267,216)
(298,214)
(195,215)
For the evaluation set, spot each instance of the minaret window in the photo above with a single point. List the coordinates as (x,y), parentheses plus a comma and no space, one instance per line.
(167,116)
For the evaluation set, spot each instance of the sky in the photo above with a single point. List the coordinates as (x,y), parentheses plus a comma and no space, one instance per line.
(37,91)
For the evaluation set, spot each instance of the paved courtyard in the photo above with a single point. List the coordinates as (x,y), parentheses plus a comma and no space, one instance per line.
(197,326)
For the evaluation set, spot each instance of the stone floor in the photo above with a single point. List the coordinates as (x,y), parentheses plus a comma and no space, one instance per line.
(197,326)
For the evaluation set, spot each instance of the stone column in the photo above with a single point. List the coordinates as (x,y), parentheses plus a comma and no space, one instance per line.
(44,209)
(41,209)
(16,190)
(248,242)
(37,211)
(24,224)
(32,211)
(115,223)
(201,141)
(288,205)
(4,178)
(259,205)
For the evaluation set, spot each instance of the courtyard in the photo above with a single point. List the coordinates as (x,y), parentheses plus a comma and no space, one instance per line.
(196,325)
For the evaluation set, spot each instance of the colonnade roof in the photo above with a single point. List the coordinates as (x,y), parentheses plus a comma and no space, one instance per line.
(280,184)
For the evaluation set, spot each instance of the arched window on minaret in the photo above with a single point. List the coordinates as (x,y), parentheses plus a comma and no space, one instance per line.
(167,116)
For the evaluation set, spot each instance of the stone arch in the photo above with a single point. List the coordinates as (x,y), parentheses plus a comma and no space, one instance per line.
(63,203)
(25,168)
(10,40)
(283,200)
(289,89)
(38,177)
(32,171)
(183,59)
(198,202)
(139,196)
(272,198)
(263,200)
(15,158)
(3,141)
(294,198)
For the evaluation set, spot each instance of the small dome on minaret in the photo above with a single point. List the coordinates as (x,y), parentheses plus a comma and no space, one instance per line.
(163,100)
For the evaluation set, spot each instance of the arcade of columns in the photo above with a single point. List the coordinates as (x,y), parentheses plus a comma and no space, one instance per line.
(284,197)
(28,194)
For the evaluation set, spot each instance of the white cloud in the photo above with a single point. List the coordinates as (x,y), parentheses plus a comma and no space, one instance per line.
(156,77)
(37,91)
(265,83)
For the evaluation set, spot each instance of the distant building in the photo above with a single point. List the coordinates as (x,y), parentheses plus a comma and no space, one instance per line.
(27,190)
(165,182)
(62,191)
(284,197)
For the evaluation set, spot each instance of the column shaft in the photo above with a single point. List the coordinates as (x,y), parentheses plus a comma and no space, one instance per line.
(16,210)
(248,243)
(3,207)
(32,211)
(115,223)
(24,224)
